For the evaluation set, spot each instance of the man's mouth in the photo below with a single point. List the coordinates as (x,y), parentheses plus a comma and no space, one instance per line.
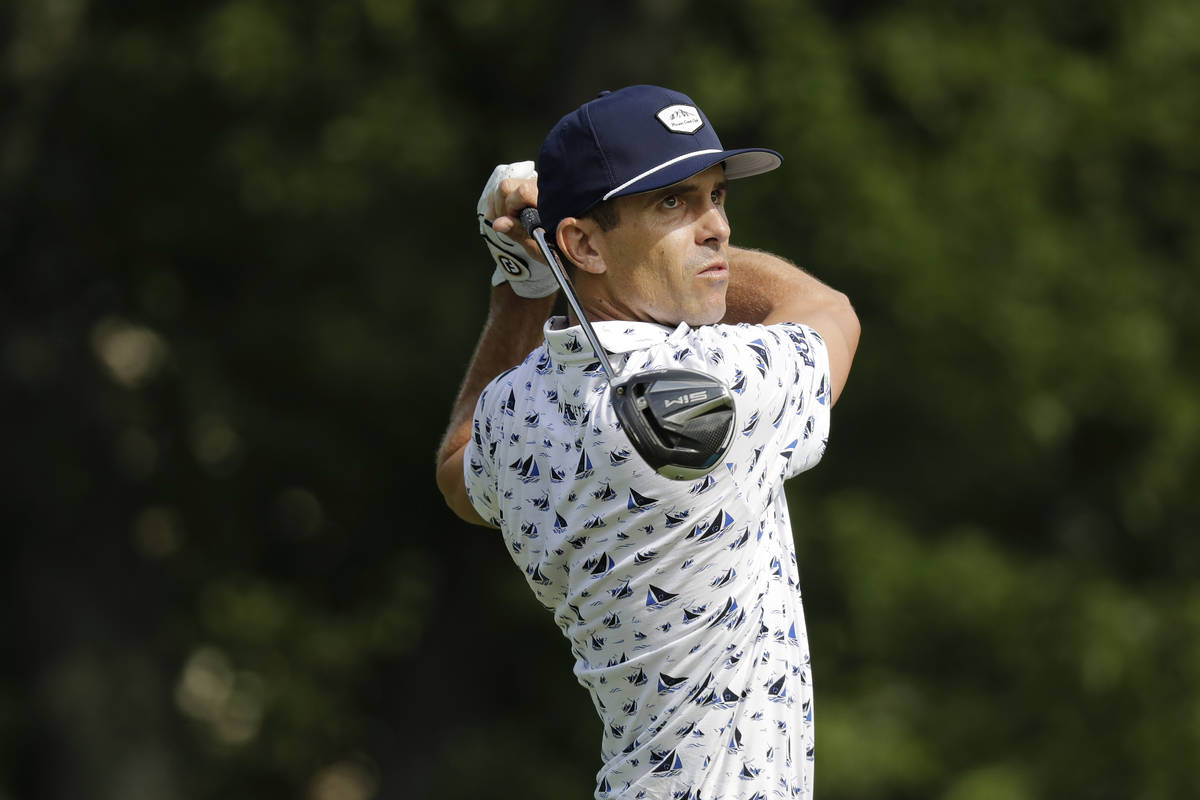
(717,269)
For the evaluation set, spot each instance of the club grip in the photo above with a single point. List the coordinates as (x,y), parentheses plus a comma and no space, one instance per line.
(530,219)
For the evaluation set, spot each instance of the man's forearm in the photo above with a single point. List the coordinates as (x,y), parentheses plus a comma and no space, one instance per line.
(759,282)
(512,329)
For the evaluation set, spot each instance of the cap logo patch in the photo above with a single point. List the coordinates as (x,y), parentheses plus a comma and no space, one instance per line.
(681,119)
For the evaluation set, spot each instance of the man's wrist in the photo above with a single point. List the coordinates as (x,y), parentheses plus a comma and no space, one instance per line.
(512,306)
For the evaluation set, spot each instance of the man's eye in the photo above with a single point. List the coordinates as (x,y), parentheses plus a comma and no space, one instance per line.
(670,201)
(718,197)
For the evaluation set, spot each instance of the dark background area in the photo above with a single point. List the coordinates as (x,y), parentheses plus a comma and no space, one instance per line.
(241,280)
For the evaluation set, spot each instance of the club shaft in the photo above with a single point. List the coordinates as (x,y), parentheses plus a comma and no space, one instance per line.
(539,235)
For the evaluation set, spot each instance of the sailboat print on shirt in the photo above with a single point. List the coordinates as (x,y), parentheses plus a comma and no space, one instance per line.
(751,424)
(779,417)
(527,468)
(658,598)
(570,413)
(644,556)
(777,691)
(677,519)
(600,565)
(720,523)
(639,502)
(726,612)
(669,683)
(670,765)
(725,578)
(622,591)
(605,492)
(537,577)
(584,468)
(762,356)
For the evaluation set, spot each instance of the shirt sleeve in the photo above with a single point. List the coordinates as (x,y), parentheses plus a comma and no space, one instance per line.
(779,377)
(807,416)
(479,458)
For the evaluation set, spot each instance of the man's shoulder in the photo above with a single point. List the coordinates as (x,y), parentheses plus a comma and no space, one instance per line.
(745,337)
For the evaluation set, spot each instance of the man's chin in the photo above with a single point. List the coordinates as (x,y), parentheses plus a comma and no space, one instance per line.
(708,316)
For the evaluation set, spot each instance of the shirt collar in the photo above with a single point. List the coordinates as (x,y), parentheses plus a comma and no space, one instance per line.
(570,344)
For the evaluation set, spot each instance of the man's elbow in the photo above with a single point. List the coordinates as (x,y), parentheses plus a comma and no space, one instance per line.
(850,326)
(842,349)
(450,482)
(454,490)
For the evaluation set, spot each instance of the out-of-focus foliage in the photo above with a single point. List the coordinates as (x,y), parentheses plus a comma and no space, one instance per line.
(241,281)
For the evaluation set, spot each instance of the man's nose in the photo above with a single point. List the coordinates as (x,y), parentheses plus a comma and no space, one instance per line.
(714,224)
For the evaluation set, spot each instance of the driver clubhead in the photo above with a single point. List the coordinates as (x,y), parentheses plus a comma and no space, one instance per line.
(679,420)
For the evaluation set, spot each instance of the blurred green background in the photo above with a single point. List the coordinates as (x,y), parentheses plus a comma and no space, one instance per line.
(241,279)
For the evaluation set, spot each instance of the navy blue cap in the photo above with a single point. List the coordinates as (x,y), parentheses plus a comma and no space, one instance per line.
(632,140)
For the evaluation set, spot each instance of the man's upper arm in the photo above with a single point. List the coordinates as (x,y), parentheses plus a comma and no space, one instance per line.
(477,465)
(836,323)
(465,473)
(791,397)
(452,481)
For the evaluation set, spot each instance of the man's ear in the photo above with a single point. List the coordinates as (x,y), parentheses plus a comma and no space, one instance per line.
(577,240)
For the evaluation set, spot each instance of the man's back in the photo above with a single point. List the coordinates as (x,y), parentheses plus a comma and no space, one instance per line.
(679,599)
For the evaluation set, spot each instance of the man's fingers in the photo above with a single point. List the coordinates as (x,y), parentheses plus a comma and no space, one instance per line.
(505,180)
(496,206)
(514,194)
(511,197)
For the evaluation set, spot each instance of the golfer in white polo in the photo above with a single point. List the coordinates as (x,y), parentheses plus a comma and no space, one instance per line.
(679,600)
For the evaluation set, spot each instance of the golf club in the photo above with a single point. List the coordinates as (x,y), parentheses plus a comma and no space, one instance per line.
(680,421)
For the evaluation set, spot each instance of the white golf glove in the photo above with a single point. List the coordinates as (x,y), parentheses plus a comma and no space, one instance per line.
(529,277)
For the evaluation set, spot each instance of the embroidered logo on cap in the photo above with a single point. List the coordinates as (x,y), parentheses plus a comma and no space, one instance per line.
(681,119)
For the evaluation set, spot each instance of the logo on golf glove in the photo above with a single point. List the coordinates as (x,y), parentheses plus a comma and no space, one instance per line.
(528,277)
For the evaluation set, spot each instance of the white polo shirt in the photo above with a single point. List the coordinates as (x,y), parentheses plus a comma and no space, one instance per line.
(680,599)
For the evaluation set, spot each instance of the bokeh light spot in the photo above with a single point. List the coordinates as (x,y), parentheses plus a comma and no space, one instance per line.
(346,780)
(133,354)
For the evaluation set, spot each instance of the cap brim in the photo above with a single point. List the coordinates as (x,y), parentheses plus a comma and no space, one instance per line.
(740,163)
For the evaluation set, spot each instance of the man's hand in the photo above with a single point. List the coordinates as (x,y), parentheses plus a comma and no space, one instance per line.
(511,188)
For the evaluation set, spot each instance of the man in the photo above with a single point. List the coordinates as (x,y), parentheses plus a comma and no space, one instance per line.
(679,599)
